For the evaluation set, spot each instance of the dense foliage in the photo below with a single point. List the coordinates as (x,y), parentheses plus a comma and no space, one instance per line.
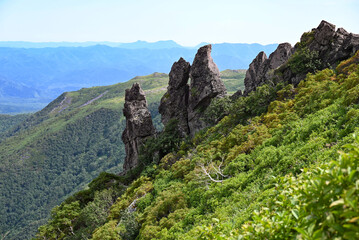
(61,149)
(57,151)
(9,121)
(268,170)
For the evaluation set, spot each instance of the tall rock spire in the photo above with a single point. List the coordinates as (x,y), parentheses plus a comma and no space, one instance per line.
(206,84)
(139,124)
(175,101)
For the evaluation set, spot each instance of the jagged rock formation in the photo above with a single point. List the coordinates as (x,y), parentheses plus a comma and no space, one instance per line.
(187,103)
(206,84)
(330,45)
(175,101)
(333,46)
(261,69)
(139,124)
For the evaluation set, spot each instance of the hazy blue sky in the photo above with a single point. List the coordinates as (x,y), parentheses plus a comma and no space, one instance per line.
(188,22)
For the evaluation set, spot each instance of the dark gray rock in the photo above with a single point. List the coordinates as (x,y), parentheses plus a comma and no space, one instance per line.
(333,46)
(254,73)
(206,84)
(139,124)
(175,101)
(261,70)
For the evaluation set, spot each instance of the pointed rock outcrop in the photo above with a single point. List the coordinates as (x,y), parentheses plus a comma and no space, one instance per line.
(328,45)
(262,68)
(332,45)
(175,101)
(186,103)
(254,73)
(206,84)
(139,124)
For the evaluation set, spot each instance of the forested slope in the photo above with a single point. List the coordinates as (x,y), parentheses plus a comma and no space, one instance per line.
(60,149)
(269,170)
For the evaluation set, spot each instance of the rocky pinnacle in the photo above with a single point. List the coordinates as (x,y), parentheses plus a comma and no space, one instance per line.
(206,84)
(139,124)
(175,101)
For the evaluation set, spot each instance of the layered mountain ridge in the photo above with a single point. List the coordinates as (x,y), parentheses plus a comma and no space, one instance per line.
(48,72)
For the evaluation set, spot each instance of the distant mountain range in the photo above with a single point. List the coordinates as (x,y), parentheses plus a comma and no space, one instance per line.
(133,45)
(33,74)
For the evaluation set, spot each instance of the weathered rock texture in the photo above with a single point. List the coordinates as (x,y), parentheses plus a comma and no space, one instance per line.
(175,101)
(261,69)
(206,84)
(139,124)
(187,103)
(331,45)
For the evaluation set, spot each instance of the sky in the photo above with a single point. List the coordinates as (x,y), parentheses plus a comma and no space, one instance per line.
(188,22)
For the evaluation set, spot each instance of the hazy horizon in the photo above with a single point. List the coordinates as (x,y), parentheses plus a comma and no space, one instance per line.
(138,41)
(186,22)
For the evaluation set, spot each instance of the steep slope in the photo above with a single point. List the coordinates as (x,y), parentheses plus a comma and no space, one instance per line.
(57,151)
(8,121)
(263,172)
(61,148)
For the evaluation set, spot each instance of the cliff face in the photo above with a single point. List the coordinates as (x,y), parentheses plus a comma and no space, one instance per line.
(139,124)
(186,103)
(326,45)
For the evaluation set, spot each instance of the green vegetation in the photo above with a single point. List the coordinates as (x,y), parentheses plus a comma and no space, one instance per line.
(268,170)
(59,150)
(50,155)
(233,80)
(9,121)
(304,61)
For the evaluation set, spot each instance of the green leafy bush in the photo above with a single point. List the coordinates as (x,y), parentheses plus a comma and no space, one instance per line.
(322,203)
(304,61)
(218,108)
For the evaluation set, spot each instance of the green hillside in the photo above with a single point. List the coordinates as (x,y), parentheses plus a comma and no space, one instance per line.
(60,149)
(233,80)
(269,170)
(9,121)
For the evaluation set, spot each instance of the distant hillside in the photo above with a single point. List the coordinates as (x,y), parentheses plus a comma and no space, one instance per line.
(44,73)
(64,146)
(8,121)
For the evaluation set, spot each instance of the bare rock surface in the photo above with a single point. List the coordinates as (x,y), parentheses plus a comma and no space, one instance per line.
(174,103)
(205,85)
(331,46)
(139,124)
(262,68)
